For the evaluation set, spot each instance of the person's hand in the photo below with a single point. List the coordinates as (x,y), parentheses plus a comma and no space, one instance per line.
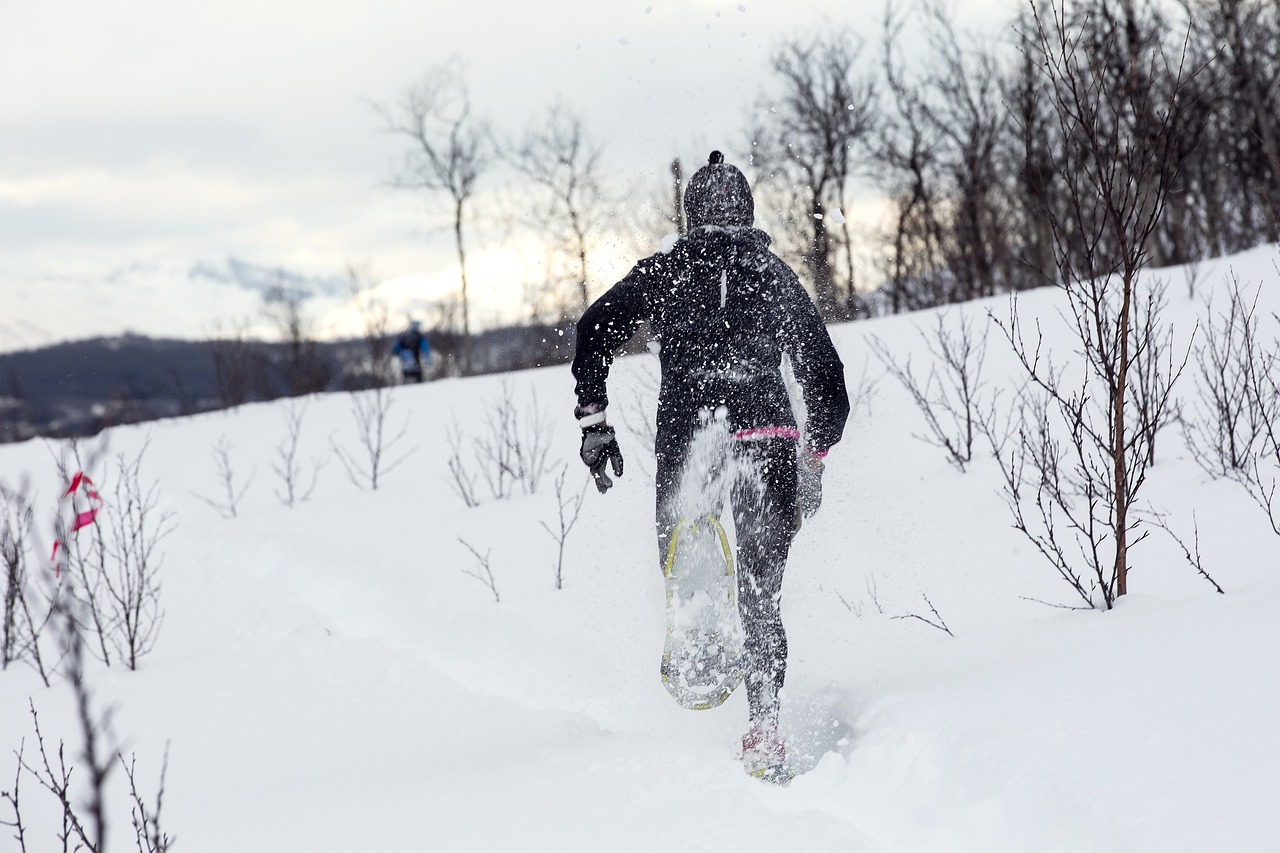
(600,449)
(809,470)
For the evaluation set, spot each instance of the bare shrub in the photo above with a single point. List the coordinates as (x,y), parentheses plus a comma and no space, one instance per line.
(378,454)
(25,614)
(137,526)
(1231,430)
(568,507)
(286,464)
(114,565)
(84,810)
(1190,552)
(227,505)
(950,397)
(461,479)
(935,620)
(483,571)
(510,453)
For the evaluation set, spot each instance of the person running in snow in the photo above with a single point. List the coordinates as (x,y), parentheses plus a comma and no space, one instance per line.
(725,310)
(412,349)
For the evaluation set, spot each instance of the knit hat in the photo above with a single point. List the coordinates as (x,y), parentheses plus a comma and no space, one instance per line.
(718,194)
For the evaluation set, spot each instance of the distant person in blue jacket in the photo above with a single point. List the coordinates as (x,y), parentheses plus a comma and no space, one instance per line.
(413,350)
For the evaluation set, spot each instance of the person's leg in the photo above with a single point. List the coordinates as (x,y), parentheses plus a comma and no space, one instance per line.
(689,478)
(764,501)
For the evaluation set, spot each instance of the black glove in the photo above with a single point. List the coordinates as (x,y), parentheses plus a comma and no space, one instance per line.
(809,483)
(600,446)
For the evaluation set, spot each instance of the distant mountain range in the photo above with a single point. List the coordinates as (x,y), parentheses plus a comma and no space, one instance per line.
(177,298)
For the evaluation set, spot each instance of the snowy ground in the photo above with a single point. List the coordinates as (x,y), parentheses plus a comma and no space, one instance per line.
(330,679)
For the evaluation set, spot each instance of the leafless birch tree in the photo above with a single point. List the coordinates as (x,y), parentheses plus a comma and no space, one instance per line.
(1085,445)
(449,150)
(558,156)
(805,143)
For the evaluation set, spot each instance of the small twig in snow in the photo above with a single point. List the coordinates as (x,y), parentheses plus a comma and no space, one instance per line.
(940,624)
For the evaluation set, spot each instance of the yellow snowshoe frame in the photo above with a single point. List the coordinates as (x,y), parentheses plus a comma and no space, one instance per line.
(692,526)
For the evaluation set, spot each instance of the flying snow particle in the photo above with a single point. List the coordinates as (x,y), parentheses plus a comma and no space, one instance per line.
(741,8)
(624,40)
(648,9)
(837,216)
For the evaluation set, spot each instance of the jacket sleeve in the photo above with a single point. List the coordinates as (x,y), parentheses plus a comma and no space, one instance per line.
(605,326)
(817,366)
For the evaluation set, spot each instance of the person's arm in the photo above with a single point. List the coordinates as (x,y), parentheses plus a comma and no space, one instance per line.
(817,368)
(604,327)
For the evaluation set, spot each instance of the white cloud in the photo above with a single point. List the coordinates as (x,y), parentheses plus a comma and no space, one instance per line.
(242,127)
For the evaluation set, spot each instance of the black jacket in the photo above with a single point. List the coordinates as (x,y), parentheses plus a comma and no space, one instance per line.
(724,309)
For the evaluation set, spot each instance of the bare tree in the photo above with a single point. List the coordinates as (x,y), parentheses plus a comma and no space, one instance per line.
(558,156)
(654,211)
(806,141)
(239,365)
(909,149)
(1084,437)
(449,150)
(375,320)
(305,369)
(944,147)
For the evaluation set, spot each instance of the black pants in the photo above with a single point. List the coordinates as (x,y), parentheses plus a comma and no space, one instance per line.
(759,478)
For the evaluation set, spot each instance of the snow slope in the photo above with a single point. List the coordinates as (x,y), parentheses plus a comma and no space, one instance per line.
(331,679)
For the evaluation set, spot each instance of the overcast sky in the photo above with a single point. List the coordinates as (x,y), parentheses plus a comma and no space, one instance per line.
(132,129)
